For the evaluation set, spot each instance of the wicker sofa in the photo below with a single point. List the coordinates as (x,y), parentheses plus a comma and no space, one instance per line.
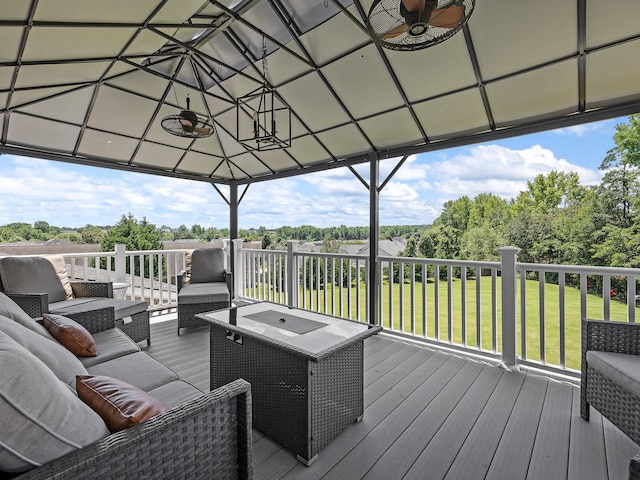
(200,435)
(41,285)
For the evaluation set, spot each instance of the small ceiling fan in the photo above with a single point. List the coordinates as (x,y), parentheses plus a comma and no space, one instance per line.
(188,124)
(416,24)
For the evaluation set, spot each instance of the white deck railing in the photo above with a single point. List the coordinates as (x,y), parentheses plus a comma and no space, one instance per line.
(520,313)
(148,275)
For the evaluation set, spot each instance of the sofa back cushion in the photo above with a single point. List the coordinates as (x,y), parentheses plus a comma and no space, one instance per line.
(36,275)
(41,418)
(10,309)
(207,265)
(64,364)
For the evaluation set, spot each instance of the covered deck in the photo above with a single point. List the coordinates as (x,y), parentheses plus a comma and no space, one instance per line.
(432,413)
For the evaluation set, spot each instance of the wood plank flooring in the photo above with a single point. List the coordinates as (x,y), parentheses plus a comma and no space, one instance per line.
(430,414)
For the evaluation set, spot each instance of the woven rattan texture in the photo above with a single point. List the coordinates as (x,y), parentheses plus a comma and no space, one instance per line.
(34,304)
(206,438)
(620,406)
(186,313)
(318,400)
(338,391)
(95,320)
(138,329)
(92,289)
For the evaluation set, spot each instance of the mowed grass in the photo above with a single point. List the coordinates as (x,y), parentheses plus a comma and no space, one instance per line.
(420,314)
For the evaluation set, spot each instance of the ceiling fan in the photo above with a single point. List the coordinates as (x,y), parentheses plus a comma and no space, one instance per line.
(416,24)
(188,124)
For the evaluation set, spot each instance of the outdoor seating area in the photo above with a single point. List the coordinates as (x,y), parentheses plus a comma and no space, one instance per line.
(183,90)
(82,400)
(41,285)
(437,414)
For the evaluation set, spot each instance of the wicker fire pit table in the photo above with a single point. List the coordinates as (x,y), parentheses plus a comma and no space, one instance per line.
(305,370)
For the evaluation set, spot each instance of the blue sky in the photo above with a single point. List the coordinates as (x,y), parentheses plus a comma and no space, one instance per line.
(74,196)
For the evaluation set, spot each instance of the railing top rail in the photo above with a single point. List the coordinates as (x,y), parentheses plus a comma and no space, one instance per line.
(593,270)
(442,261)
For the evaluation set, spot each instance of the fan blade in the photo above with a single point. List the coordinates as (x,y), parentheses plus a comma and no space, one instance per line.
(203,130)
(449,17)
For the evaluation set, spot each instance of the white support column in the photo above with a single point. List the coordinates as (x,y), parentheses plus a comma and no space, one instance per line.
(292,274)
(238,269)
(121,264)
(509,286)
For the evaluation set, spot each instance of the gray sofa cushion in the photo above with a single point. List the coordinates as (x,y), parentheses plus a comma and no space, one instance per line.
(41,418)
(122,308)
(207,265)
(112,343)
(54,306)
(138,369)
(175,393)
(10,309)
(36,275)
(621,368)
(204,293)
(61,361)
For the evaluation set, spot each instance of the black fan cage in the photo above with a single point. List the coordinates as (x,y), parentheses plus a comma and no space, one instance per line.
(394,26)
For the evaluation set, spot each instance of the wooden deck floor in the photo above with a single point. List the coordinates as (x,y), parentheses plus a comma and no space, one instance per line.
(435,415)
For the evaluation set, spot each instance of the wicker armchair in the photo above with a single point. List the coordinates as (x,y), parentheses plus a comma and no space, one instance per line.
(41,285)
(610,382)
(206,286)
(208,437)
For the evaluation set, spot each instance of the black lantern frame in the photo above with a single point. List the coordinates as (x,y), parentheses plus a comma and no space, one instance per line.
(263,120)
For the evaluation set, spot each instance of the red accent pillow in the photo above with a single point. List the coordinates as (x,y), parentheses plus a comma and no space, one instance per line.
(120,404)
(71,334)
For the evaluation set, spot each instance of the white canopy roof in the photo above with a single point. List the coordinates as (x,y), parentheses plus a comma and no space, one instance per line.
(89,81)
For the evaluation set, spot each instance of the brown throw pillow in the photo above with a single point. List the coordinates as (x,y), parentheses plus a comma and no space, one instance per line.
(120,404)
(71,334)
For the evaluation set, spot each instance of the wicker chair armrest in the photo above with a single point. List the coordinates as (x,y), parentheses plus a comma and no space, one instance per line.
(217,426)
(181,279)
(92,289)
(35,304)
(96,320)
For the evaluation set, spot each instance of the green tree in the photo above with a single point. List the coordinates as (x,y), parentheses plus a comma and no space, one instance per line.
(91,234)
(546,194)
(136,235)
(482,243)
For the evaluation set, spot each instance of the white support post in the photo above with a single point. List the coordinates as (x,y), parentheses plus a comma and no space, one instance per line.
(509,285)
(292,274)
(238,270)
(121,264)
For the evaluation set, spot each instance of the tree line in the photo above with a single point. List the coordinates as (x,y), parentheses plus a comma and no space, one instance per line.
(555,220)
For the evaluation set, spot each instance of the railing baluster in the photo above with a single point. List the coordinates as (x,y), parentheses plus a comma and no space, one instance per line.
(450,303)
(561,315)
(436,299)
(541,307)
(401,295)
(479,308)
(463,304)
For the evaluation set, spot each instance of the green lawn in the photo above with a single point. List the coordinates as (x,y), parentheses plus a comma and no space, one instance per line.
(533,328)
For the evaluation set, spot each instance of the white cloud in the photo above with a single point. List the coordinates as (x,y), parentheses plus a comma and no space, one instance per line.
(69,195)
(605,127)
